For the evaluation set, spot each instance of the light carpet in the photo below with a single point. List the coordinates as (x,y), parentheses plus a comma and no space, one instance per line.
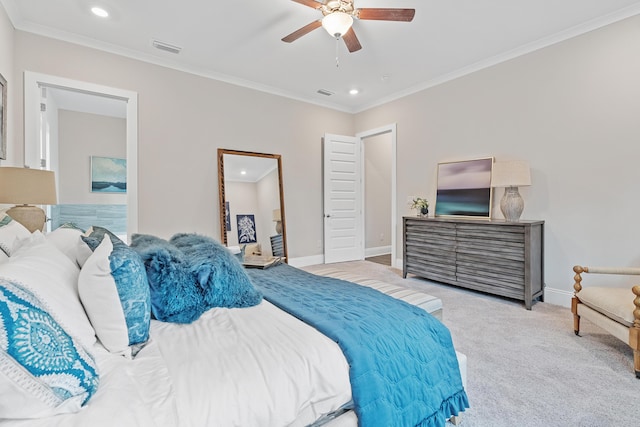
(528,368)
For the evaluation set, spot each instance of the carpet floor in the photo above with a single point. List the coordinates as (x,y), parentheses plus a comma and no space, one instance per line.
(528,368)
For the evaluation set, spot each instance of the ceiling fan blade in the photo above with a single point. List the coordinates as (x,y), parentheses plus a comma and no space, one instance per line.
(311,3)
(302,31)
(379,14)
(352,42)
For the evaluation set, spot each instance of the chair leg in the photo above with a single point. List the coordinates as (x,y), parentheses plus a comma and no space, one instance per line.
(576,318)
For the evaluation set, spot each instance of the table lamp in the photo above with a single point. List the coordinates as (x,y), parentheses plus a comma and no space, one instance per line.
(25,188)
(511,175)
(277,218)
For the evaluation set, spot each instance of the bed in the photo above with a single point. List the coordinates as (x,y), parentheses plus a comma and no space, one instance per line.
(207,343)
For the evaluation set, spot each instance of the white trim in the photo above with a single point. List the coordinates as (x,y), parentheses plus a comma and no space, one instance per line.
(391,128)
(306,261)
(380,250)
(32,83)
(559,297)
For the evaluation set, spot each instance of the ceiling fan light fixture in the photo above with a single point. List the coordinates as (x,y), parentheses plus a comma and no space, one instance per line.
(337,23)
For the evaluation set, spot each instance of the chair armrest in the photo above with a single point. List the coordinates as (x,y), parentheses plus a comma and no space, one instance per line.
(631,271)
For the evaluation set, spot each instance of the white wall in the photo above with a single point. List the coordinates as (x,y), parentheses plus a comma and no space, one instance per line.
(183,120)
(573,111)
(82,135)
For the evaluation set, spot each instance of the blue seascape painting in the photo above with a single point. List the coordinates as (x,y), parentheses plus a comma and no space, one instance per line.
(464,188)
(108,175)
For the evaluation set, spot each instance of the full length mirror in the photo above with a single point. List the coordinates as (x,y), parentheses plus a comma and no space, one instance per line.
(252,202)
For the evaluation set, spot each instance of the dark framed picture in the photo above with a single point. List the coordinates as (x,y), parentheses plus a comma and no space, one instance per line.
(108,175)
(246,228)
(3,118)
(464,188)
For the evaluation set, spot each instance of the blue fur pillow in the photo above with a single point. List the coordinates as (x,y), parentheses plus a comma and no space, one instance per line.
(221,276)
(175,295)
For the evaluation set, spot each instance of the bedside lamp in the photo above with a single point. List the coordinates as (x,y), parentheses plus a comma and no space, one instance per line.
(511,175)
(277,218)
(27,187)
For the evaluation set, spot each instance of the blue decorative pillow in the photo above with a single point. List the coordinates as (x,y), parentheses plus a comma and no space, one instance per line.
(221,276)
(175,295)
(49,371)
(114,290)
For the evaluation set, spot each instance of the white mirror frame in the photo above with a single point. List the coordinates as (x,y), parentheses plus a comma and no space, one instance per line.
(33,82)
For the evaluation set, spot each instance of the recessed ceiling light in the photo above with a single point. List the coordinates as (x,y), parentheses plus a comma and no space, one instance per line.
(98,11)
(354,91)
(243,172)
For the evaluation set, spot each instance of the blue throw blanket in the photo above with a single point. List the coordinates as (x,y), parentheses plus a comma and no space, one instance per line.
(403,368)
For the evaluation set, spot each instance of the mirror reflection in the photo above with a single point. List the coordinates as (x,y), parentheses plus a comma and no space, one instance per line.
(251,202)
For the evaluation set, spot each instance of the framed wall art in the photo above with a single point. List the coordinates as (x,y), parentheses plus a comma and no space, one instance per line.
(464,188)
(108,175)
(246,228)
(3,118)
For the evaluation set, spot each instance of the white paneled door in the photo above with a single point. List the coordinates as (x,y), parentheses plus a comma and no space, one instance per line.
(343,220)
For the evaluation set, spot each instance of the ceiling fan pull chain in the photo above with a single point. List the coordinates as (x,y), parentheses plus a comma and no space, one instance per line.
(337,47)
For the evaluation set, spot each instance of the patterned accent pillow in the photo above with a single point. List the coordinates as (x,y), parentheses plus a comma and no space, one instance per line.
(49,372)
(114,290)
(10,231)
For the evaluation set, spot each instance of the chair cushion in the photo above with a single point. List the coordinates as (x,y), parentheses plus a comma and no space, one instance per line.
(615,303)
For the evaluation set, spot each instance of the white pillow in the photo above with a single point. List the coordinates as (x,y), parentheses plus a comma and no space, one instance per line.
(10,231)
(67,239)
(114,290)
(48,273)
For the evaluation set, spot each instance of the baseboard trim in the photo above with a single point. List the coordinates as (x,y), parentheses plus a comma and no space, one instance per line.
(306,261)
(558,296)
(380,250)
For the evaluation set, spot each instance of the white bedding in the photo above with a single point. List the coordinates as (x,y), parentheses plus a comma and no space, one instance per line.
(253,366)
(284,372)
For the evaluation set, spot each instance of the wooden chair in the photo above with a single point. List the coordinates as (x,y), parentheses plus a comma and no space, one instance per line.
(615,310)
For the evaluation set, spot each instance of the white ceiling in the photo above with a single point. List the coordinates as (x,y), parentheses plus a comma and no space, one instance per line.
(238,41)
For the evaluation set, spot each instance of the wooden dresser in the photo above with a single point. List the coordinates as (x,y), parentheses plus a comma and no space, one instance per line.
(493,256)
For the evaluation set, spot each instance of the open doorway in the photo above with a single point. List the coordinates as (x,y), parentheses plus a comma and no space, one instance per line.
(377,198)
(379,190)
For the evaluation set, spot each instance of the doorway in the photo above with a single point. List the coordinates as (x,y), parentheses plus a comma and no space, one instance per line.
(344,195)
(41,152)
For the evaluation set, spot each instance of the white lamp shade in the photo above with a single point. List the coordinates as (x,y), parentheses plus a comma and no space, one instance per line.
(337,23)
(276,215)
(24,186)
(513,173)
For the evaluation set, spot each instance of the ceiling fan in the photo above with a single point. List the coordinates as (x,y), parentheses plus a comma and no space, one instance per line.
(338,16)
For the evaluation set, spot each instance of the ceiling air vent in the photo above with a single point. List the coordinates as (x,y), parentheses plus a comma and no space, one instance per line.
(166,46)
(325,92)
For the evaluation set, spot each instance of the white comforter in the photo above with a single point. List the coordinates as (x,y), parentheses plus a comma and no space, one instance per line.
(253,366)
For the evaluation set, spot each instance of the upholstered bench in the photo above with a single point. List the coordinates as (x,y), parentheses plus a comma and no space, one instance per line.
(428,303)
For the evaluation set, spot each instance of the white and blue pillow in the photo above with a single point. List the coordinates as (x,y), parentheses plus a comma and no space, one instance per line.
(10,232)
(114,290)
(43,370)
